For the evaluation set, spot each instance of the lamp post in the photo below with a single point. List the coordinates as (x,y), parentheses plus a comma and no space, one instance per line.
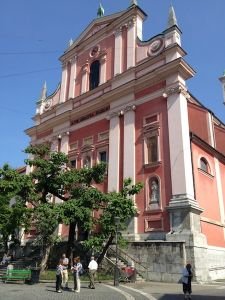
(116,273)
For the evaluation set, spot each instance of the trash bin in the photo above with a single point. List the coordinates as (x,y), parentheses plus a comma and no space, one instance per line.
(35,275)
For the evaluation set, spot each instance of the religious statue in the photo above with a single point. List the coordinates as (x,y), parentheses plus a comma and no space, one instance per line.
(154,191)
(87,162)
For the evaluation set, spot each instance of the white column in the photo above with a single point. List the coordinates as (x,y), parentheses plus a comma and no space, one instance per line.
(129,158)
(220,192)
(131,43)
(84,83)
(129,143)
(211,130)
(73,77)
(54,144)
(114,154)
(65,143)
(118,52)
(179,143)
(103,70)
(63,84)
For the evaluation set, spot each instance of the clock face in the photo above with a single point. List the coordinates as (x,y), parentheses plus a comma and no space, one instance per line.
(156,47)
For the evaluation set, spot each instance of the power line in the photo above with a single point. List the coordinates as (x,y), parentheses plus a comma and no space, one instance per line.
(27,73)
(29,52)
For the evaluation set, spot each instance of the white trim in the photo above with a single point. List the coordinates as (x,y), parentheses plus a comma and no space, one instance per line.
(114,154)
(72,86)
(131,44)
(118,52)
(179,143)
(129,145)
(211,130)
(63,84)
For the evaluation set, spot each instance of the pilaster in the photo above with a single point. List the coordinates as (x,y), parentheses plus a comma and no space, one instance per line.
(118,51)
(73,77)
(114,153)
(103,69)
(131,43)
(84,83)
(63,83)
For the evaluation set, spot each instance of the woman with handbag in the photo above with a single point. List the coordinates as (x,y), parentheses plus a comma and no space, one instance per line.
(186,280)
(76,270)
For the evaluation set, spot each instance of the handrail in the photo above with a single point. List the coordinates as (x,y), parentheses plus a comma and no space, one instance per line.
(129,256)
(124,256)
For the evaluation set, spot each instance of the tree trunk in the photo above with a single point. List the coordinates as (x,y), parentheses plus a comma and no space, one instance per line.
(101,256)
(46,252)
(5,242)
(70,243)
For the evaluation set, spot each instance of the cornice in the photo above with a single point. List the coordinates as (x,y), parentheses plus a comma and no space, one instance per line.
(197,140)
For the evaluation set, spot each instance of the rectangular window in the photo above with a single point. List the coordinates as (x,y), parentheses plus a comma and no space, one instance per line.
(103,156)
(73,163)
(74,146)
(88,141)
(152,149)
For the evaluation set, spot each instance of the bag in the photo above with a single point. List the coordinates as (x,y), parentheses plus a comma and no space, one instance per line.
(180,280)
(81,272)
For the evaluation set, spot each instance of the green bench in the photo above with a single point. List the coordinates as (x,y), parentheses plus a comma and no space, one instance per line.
(17,275)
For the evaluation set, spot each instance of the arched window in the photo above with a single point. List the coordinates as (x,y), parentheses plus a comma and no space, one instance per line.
(94,74)
(204,165)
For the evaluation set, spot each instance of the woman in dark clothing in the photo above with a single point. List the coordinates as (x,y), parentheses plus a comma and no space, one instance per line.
(186,280)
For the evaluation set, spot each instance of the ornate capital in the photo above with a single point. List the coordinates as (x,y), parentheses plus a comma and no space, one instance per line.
(179,89)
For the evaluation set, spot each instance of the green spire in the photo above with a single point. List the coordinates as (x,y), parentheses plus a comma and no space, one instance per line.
(101,11)
(133,2)
(172,20)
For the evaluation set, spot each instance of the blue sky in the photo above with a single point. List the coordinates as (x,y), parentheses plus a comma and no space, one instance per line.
(35,33)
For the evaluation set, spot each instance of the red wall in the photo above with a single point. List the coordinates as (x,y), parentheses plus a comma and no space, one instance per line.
(207,196)
(162,169)
(220,138)
(198,121)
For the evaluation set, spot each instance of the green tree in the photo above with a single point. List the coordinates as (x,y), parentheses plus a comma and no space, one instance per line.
(13,210)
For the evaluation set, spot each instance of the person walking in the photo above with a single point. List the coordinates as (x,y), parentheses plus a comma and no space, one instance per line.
(59,271)
(76,269)
(65,263)
(186,280)
(93,267)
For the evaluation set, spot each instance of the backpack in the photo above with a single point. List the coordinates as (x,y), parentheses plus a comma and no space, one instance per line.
(81,272)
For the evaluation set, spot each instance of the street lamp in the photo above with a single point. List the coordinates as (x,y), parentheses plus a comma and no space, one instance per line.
(116,273)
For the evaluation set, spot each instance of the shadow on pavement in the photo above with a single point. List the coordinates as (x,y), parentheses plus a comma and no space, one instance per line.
(193,297)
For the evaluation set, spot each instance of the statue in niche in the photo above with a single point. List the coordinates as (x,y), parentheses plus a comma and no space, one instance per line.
(154,195)
(87,162)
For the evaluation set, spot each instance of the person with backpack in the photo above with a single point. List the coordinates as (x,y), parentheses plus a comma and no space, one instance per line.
(59,271)
(77,270)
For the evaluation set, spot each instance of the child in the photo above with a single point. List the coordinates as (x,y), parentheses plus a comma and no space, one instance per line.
(76,269)
(59,270)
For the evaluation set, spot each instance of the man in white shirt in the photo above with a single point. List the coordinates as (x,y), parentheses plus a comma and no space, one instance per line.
(65,263)
(93,267)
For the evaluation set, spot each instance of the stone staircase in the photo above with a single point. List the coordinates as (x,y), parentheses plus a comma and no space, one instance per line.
(123,262)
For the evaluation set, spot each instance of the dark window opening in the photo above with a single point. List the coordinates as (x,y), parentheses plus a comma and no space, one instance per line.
(73,163)
(152,149)
(103,156)
(204,165)
(94,74)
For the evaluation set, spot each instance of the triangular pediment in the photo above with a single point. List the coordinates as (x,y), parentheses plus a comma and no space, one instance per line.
(95,26)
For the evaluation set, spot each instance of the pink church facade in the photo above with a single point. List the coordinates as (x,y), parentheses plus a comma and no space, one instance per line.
(124,101)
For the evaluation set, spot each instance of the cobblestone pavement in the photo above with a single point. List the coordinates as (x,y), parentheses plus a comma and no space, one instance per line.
(139,291)
(46,291)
